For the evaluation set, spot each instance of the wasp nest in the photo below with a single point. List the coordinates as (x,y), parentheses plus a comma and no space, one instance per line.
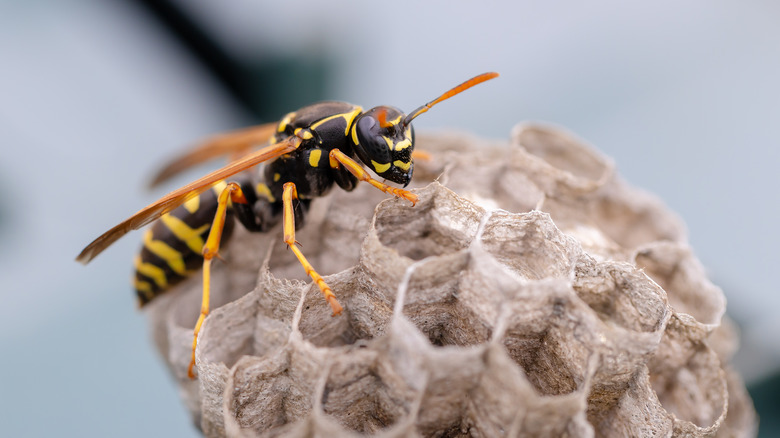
(530,292)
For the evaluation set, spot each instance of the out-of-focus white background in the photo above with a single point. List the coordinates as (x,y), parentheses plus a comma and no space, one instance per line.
(684,95)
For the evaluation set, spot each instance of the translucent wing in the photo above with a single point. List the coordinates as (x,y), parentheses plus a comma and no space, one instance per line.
(177,197)
(235,143)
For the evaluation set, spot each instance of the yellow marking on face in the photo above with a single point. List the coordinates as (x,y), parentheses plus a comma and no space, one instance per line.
(262,190)
(348,118)
(380,168)
(284,122)
(314,157)
(182,231)
(193,204)
(389,142)
(403,144)
(154,272)
(172,258)
(406,142)
(404,165)
(277,177)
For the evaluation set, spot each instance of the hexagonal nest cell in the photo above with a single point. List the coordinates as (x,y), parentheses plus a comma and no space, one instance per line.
(530,292)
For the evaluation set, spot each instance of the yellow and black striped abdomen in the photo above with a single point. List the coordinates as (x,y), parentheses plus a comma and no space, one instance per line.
(172,247)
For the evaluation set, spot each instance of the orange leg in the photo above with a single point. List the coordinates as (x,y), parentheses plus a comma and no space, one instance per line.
(422,155)
(337,157)
(290,193)
(232,192)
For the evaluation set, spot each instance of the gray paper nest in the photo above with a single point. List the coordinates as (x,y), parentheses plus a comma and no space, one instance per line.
(530,292)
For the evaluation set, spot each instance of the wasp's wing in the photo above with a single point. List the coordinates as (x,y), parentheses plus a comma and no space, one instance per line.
(230,143)
(178,197)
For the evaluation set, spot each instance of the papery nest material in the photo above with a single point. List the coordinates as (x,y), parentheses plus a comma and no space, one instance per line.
(530,292)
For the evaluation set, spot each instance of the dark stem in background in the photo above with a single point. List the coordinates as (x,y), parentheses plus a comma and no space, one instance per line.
(766,398)
(266,86)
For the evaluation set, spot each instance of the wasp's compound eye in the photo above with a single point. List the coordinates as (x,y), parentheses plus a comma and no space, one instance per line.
(371,145)
(386,150)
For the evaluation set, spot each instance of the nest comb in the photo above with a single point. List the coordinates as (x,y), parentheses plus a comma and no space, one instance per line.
(530,292)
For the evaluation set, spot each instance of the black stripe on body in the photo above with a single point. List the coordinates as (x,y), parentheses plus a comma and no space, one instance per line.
(180,258)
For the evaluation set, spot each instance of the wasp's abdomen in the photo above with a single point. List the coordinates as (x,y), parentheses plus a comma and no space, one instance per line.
(172,247)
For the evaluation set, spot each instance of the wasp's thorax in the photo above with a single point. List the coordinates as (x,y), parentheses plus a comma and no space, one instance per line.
(384,143)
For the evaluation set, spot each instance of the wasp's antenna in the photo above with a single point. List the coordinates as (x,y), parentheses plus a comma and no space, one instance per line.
(458,89)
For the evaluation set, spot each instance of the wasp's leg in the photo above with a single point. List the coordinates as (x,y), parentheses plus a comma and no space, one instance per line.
(422,155)
(344,178)
(290,192)
(231,192)
(337,157)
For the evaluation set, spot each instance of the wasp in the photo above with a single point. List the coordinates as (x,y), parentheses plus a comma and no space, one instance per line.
(309,151)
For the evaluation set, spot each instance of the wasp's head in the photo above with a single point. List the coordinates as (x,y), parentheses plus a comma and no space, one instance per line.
(384,142)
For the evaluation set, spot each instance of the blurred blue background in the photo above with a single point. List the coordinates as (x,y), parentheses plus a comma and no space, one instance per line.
(93,94)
